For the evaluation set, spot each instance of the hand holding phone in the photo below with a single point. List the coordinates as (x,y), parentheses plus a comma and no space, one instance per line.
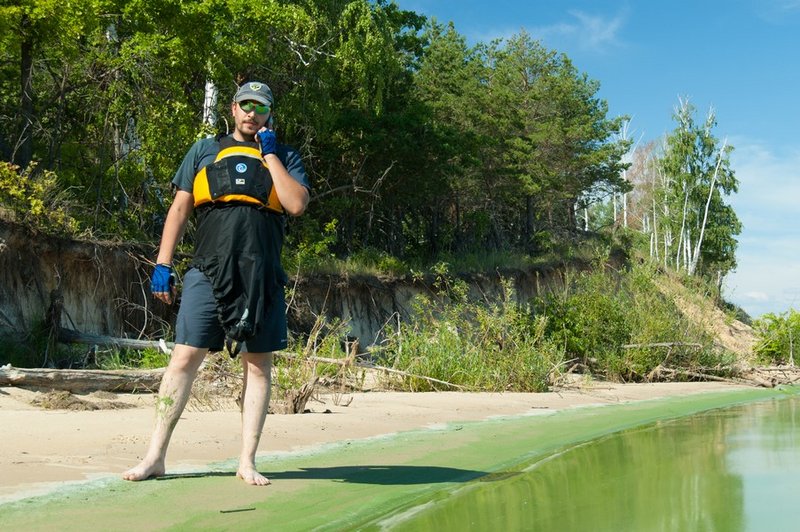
(266,139)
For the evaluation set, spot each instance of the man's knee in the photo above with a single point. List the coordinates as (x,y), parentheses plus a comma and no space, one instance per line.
(259,363)
(187,358)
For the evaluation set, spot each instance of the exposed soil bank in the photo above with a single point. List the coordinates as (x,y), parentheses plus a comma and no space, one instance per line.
(104,288)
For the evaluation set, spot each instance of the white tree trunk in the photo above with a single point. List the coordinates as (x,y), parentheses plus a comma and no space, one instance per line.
(625,210)
(687,249)
(209,105)
(696,254)
(626,158)
(683,227)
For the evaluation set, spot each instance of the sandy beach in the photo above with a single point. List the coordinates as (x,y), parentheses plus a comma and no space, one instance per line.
(42,449)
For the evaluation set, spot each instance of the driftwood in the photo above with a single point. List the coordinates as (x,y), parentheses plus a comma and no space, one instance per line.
(349,362)
(82,380)
(772,376)
(662,344)
(296,400)
(660,371)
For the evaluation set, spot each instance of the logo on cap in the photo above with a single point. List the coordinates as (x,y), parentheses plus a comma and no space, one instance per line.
(241,168)
(255,87)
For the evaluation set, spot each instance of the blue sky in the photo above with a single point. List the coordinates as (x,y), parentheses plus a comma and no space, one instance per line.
(739,57)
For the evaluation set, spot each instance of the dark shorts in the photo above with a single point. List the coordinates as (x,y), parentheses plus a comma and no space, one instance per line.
(198,324)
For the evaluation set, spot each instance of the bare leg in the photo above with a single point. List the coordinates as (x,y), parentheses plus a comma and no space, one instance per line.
(172,397)
(255,402)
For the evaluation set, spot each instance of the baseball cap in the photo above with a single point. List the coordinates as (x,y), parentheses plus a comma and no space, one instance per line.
(255,91)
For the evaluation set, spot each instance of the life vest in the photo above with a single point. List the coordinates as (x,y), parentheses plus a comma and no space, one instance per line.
(237,175)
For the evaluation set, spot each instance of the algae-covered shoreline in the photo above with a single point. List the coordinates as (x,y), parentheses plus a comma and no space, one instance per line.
(353,478)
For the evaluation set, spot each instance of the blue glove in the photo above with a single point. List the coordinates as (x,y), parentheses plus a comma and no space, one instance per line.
(266,138)
(163,279)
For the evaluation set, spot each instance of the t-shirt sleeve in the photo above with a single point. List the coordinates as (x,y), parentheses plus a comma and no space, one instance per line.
(198,156)
(294,165)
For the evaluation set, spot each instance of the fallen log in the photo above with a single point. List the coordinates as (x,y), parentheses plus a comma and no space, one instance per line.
(70,336)
(83,380)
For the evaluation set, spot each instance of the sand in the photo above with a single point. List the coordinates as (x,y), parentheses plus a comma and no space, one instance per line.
(43,449)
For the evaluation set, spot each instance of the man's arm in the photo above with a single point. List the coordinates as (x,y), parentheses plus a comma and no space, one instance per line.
(292,195)
(178,215)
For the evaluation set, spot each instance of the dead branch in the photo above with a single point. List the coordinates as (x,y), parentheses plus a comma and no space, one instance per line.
(70,336)
(349,361)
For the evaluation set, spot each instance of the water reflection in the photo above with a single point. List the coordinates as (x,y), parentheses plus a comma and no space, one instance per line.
(732,469)
(766,454)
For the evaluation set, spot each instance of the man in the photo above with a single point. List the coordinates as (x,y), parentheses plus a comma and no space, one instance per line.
(241,187)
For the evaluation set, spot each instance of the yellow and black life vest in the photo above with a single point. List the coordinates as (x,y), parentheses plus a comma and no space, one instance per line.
(238,175)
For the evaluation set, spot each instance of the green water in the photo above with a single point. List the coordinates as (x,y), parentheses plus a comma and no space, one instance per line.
(730,469)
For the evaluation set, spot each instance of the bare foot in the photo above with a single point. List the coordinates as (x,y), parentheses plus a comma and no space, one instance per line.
(146,469)
(251,476)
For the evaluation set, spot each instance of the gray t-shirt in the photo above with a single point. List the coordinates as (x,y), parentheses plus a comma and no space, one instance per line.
(204,151)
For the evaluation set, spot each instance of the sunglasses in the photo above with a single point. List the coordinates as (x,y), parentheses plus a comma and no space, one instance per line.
(260,109)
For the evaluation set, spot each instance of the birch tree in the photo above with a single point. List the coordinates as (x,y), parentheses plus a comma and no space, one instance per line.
(697,177)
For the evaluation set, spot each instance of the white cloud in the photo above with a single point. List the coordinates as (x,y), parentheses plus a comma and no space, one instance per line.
(769,188)
(756,296)
(589,32)
(598,31)
(777,12)
(767,278)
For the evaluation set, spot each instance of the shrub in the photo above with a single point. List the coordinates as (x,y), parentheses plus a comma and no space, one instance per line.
(588,318)
(777,337)
(36,199)
(595,314)
(480,345)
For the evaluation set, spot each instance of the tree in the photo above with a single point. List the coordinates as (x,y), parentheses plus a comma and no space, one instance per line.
(696,178)
(558,145)
(447,85)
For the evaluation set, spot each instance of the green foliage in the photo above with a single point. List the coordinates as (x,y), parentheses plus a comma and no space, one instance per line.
(36,199)
(311,248)
(595,314)
(149,358)
(417,144)
(778,336)
(491,345)
(154,358)
(588,320)
(376,262)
